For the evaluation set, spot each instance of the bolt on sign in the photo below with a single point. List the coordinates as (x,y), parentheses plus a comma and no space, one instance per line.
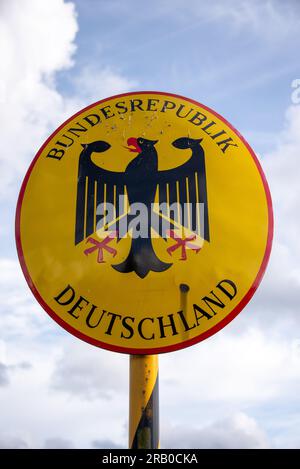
(144,223)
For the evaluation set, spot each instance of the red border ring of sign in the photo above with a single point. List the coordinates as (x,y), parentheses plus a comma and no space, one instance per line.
(169,348)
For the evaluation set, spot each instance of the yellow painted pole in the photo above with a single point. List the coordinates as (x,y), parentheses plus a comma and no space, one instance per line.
(143,402)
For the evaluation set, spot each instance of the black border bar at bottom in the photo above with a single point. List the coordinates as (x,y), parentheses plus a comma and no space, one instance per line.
(138,458)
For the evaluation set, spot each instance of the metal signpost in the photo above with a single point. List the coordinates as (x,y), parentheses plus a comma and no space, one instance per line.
(144,225)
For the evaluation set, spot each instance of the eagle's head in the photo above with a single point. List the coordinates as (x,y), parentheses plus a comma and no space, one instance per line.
(99,146)
(137,145)
(186,142)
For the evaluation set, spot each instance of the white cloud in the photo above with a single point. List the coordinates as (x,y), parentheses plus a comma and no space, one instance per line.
(36,41)
(5,370)
(3,374)
(268,18)
(80,372)
(20,313)
(272,20)
(238,432)
(232,369)
(105,444)
(45,417)
(280,295)
(93,84)
(58,443)
(12,442)
(283,170)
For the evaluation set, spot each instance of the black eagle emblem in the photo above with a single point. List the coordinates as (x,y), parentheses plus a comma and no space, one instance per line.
(141,183)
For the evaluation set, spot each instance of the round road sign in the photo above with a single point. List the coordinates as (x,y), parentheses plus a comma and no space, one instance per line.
(144,223)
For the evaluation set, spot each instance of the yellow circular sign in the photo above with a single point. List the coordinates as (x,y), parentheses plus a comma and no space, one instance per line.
(144,223)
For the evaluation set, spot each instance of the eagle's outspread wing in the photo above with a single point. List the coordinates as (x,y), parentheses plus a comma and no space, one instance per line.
(186,184)
(96,186)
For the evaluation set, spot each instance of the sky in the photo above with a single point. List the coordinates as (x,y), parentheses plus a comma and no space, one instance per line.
(241,387)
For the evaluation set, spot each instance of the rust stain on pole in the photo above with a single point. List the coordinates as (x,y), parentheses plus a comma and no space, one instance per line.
(143,402)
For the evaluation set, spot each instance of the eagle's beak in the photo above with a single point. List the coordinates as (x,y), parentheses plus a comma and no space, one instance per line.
(132,142)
